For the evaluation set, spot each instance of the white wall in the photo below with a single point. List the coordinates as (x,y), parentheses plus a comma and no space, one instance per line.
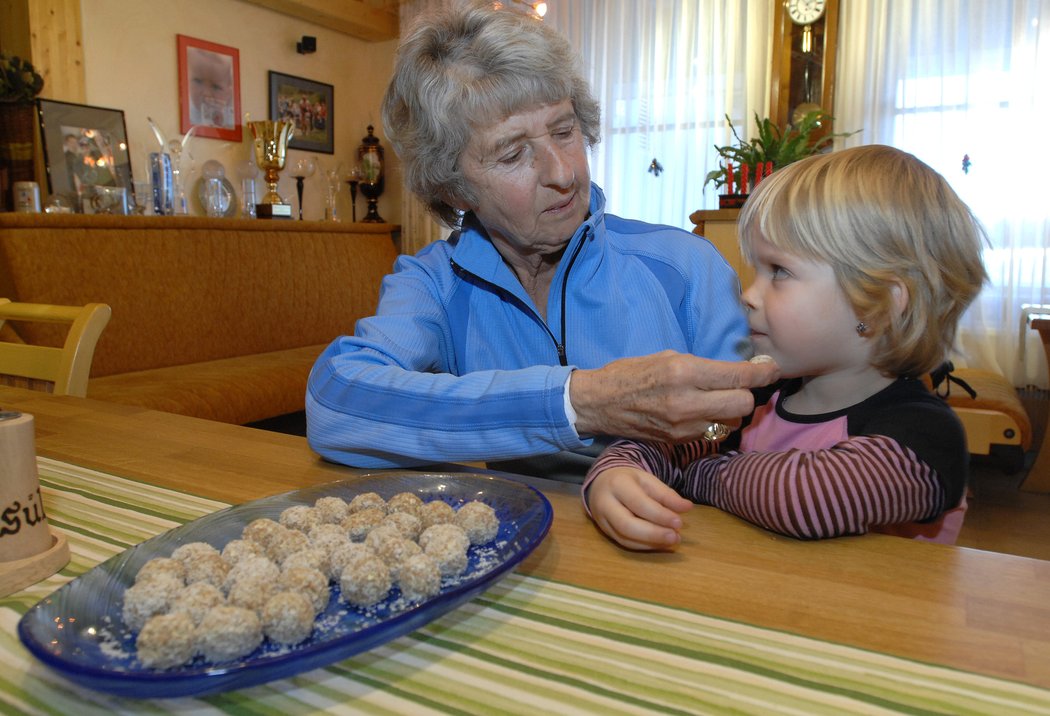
(131,64)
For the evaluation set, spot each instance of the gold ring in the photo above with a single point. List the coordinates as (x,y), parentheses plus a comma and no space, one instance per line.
(716,432)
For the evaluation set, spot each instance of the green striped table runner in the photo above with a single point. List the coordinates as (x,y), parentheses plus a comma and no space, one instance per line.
(527,646)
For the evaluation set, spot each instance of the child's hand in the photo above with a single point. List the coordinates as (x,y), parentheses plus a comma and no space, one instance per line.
(636,509)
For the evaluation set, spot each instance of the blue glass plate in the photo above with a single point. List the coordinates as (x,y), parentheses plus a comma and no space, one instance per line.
(78,630)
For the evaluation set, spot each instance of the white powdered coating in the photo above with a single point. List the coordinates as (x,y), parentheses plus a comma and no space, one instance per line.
(407,523)
(447,545)
(196,599)
(161,565)
(153,596)
(206,567)
(329,541)
(261,530)
(761,358)
(311,583)
(346,555)
(287,618)
(365,582)
(479,521)
(394,551)
(252,568)
(251,592)
(284,543)
(436,512)
(408,502)
(300,517)
(360,523)
(228,633)
(237,549)
(191,550)
(166,641)
(332,510)
(311,557)
(419,578)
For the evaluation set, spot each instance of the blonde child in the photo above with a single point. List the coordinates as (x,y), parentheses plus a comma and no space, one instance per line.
(865,259)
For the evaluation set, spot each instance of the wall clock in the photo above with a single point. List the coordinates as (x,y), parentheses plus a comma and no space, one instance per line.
(805,41)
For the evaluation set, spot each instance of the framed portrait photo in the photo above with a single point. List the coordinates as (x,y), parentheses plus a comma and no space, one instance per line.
(308,106)
(209,89)
(85,150)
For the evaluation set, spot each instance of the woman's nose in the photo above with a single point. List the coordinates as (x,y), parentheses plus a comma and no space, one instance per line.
(556,166)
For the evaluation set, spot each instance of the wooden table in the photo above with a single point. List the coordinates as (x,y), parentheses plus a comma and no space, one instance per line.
(979,611)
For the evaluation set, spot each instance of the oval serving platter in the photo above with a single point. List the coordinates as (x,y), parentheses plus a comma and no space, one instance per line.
(78,629)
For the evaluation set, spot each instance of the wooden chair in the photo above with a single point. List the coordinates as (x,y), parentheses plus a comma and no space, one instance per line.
(62,371)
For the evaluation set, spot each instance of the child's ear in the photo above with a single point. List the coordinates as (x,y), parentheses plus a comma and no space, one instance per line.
(900,296)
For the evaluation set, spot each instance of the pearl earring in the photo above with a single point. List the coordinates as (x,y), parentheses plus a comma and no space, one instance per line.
(862,328)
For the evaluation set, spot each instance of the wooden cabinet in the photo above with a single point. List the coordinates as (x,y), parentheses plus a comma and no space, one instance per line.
(802,77)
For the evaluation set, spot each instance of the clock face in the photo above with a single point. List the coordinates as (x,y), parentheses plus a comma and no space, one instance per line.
(804,12)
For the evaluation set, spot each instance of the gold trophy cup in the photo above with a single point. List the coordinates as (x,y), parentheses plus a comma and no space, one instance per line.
(270,140)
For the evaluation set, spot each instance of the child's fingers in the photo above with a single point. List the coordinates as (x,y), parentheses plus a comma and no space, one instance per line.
(634,533)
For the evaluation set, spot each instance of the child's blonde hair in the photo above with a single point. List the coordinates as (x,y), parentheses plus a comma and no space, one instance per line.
(878,216)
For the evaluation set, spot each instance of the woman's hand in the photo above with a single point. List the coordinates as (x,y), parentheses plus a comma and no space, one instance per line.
(668,396)
(635,509)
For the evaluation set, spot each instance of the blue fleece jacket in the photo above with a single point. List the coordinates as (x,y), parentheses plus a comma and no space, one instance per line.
(457,364)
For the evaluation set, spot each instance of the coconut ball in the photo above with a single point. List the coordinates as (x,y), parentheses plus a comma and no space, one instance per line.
(406,523)
(419,577)
(166,641)
(328,538)
(332,510)
(479,521)
(287,618)
(367,501)
(252,568)
(237,549)
(144,599)
(360,523)
(251,592)
(447,545)
(365,582)
(312,557)
(284,543)
(761,358)
(405,502)
(260,530)
(192,550)
(300,517)
(196,599)
(436,512)
(161,565)
(311,583)
(206,567)
(347,554)
(393,549)
(227,633)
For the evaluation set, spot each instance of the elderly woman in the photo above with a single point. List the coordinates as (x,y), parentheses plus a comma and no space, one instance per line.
(542,324)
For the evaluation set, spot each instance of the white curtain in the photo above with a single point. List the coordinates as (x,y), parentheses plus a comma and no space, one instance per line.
(948,79)
(666,72)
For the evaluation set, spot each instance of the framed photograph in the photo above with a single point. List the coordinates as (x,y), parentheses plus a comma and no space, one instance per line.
(209,89)
(308,105)
(86,153)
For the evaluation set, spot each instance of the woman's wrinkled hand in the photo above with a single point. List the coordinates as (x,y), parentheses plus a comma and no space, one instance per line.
(668,396)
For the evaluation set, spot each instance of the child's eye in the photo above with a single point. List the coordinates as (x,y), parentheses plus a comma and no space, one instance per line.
(778,272)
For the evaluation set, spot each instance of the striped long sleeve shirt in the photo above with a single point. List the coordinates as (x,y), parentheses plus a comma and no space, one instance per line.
(894,463)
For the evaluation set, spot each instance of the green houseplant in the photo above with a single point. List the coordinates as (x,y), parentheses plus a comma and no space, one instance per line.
(773,144)
(19,81)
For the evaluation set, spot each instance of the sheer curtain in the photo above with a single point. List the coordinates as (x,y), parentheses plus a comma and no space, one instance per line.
(666,72)
(948,79)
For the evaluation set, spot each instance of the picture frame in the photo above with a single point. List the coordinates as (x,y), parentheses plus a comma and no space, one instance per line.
(85,152)
(209,89)
(309,105)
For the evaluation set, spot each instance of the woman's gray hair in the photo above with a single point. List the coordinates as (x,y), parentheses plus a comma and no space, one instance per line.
(461,69)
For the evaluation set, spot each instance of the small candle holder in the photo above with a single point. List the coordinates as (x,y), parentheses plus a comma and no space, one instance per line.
(353,180)
(302,170)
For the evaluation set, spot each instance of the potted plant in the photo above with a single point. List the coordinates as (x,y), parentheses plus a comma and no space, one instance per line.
(772,149)
(20,83)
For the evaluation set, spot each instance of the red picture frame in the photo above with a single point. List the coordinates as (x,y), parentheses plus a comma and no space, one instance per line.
(209,89)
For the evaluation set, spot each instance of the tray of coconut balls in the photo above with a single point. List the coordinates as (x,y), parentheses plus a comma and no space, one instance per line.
(284,584)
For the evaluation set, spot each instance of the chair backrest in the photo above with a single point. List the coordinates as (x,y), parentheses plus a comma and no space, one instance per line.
(65,370)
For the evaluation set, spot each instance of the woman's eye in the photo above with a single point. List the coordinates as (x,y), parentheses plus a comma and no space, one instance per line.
(512,157)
